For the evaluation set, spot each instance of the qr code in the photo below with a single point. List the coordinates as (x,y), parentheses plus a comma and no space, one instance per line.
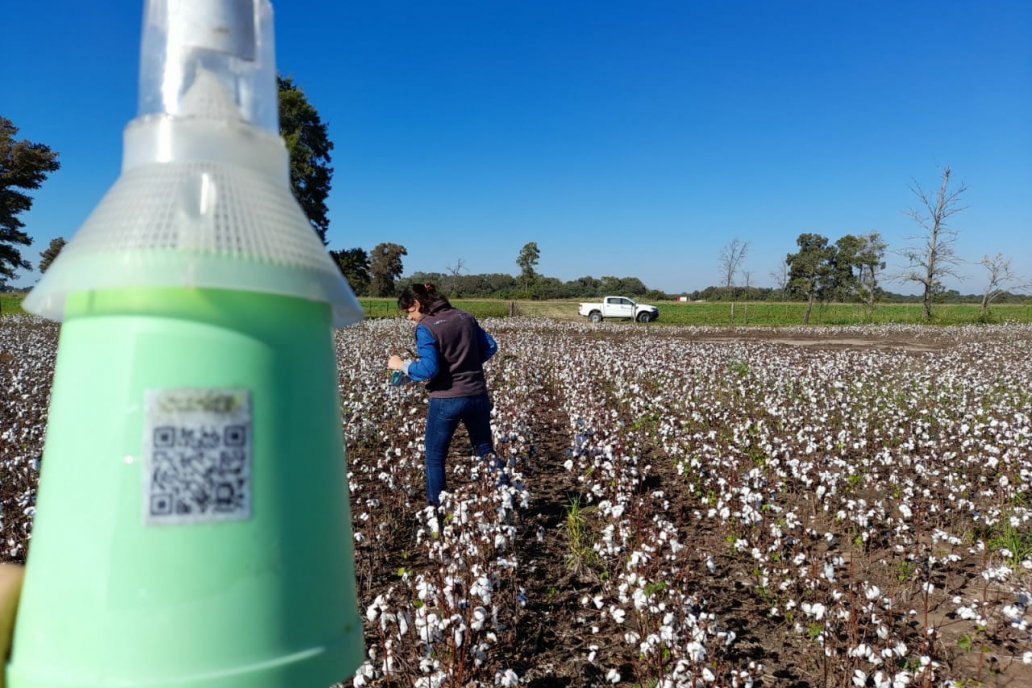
(198,448)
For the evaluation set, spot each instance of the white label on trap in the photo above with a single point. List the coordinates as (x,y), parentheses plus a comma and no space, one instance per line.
(198,450)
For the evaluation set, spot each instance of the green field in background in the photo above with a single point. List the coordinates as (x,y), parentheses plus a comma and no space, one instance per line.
(10,304)
(715,313)
(762,313)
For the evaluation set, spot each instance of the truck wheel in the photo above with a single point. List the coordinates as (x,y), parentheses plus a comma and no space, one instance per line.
(644,317)
(595,317)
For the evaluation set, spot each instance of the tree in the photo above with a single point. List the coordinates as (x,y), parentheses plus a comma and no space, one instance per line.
(870,259)
(780,279)
(453,282)
(385,267)
(48,256)
(354,265)
(528,260)
(309,147)
(809,270)
(23,165)
(1000,278)
(844,280)
(456,270)
(935,259)
(731,257)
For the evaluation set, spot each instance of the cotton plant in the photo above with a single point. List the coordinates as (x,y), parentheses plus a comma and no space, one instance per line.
(873,501)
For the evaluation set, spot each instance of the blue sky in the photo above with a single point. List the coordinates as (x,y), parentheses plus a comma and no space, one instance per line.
(626,138)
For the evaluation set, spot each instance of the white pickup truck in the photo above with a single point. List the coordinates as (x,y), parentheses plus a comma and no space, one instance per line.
(619,307)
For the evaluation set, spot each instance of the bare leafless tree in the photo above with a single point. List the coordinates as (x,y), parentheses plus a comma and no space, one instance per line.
(780,279)
(456,270)
(934,258)
(1001,279)
(731,257)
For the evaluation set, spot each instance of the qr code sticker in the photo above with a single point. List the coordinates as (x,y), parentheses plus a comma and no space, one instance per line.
(198,446)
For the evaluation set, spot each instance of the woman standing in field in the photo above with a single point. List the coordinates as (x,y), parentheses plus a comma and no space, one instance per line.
(451,348)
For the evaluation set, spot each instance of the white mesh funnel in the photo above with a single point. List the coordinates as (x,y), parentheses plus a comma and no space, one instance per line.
(204,199)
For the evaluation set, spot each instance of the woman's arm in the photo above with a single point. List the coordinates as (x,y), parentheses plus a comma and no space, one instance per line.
(428,363)
(488,346)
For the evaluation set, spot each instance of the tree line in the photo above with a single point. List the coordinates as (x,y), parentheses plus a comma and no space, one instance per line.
(379,273)
(850,269)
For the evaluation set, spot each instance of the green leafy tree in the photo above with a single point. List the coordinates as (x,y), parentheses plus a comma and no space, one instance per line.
(870,260)
(385,267)
(24,166)
(844,278)
(48,256)
(354,265)
(810,269)
(528,260)
(309,147)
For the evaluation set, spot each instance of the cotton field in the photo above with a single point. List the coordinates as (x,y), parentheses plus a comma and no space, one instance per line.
(680,506)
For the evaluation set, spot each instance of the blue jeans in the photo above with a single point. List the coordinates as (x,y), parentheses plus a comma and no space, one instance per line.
(442,419)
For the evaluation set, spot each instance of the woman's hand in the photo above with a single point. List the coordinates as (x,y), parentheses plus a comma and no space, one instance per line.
(10,589)
(395,363)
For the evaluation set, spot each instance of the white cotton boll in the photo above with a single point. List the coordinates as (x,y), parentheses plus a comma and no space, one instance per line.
(859,678)
(618,614)
(1012,612)
(708,676)
(1026,658)
(568,465)
(613,676)
(873,592)
(818,611)
(507,679)
(829,572)
(696,652)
